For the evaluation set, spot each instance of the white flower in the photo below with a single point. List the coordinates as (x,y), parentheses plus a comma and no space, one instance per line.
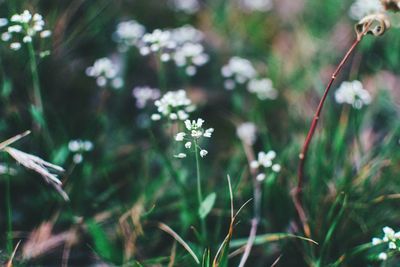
(383,256)
(145,94)
(3,22)
(247,133)
(77,158)
(352,93)
(265,160)
(191,56)
(260,177)
(194,132)
(174,102)
(15,46)
(128,33)
(376,241)
(238,70)
(256,5)
(180,136)
(78,147)
(362,8)
(23,28)
(156,117)
(105,71)
(186,6)
(276,168)
(262,88)
(180,155)
(392,245)
(203,153)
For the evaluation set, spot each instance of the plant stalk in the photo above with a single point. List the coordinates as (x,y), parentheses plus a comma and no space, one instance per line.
(297,195)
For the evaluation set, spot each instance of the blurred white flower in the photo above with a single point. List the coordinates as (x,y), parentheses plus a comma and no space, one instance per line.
(186,34)
(128,33)
(78,147)
(247,133)
(256,5)
(237,71)
(160,42)
(190,56)
(23,28)
(263,88)
(106,73)
(186,6)
(145,94)
(353,93)
(383,256)
(362,8)
(193,132)
(265,161)
(174,105)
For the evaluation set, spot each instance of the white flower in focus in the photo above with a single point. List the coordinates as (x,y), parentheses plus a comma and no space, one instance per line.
(145,94)
(362,8)
(194,132)
(238,71)
(173,103)
(106,72)
(353,93)
(256,5)
(247,133)
(186,6)
(128,33)
(23,28)
(263,88)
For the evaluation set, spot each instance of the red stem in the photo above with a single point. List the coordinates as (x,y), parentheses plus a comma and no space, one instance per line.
(297,196)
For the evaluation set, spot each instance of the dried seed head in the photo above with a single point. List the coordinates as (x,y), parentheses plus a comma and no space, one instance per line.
(375,24)
(393,5)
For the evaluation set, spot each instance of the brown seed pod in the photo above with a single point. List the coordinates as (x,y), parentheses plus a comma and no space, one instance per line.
(393,5)
(375,24)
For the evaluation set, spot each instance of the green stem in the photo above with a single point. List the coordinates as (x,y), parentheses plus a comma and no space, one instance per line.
(199,192)
(37,96)
(9,216)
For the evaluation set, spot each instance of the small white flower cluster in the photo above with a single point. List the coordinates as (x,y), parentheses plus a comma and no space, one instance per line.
(265,160)
(194,131)
(247,133)
(263,88)
(190,56)
(78,147)
(238,71)
(128,33)
(186,6)
(182,45)
(144,94)
(174,105)
(353,93)
(256,5)
(23,28)
(106,73)
(362,8)
(391,238)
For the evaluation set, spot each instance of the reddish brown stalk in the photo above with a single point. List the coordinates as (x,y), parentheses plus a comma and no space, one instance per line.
(297,195)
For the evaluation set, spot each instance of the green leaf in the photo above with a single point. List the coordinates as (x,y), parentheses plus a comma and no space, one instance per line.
(37,116)
(102,244)
(207,205)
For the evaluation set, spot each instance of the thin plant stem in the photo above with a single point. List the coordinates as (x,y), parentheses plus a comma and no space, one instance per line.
(9,216)
(297,195)
(37,95)
(199,192)
(257,206)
